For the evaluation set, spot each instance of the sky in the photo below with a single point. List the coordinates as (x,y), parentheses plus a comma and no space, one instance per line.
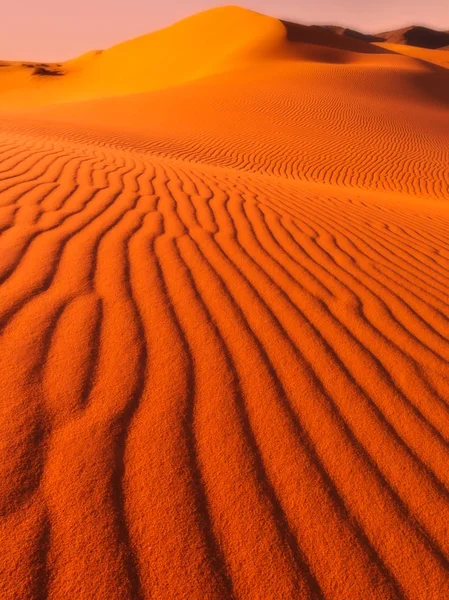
(56,30)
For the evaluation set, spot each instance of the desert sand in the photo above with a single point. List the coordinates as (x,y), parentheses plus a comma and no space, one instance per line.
(224,308)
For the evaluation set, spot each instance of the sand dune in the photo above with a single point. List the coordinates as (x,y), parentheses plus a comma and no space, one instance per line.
(224,324)
(353,33)
(437,57)
(416,35)
(192,49)
(413,35)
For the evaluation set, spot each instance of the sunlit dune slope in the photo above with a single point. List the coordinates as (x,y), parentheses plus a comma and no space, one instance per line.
(437,57)
(374,122)
(200,45)
(197,47)
(214,41)
(224,320)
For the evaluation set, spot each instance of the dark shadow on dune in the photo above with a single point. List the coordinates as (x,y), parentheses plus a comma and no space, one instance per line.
(417,35)
(426,38)
(352,33)
(434,83)
(322,36)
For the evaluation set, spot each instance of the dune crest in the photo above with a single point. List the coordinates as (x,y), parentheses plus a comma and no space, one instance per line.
(224,319)
(201,45)
(195,48)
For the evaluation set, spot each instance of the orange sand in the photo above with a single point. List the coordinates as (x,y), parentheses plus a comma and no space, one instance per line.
(225,319)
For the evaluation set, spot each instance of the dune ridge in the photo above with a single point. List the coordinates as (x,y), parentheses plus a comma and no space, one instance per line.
(193,49)
(224,334)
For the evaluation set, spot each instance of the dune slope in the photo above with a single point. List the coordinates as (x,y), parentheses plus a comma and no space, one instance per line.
(413,35)
(201,45)
(222,40)
(416,35)
(224,325)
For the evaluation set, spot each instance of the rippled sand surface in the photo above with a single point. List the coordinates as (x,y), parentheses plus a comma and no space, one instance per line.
(224,312)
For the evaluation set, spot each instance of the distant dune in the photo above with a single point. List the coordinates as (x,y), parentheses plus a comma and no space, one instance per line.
(422,37)
(224,318)
(366,37)
(414,35)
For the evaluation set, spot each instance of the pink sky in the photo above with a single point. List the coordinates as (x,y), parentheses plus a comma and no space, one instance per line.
(61,29)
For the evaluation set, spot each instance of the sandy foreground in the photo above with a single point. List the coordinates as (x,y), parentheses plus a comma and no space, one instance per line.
(224,311)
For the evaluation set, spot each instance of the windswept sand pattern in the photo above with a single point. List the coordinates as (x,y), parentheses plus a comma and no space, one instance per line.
(217,384)
(332,124)
(224,320)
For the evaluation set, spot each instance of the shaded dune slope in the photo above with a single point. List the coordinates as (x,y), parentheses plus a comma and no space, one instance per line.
(438,57)
(352,33)
(224,326)
(416,35)
(413,35)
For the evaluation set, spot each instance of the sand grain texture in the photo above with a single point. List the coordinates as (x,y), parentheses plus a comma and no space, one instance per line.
(224,329)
